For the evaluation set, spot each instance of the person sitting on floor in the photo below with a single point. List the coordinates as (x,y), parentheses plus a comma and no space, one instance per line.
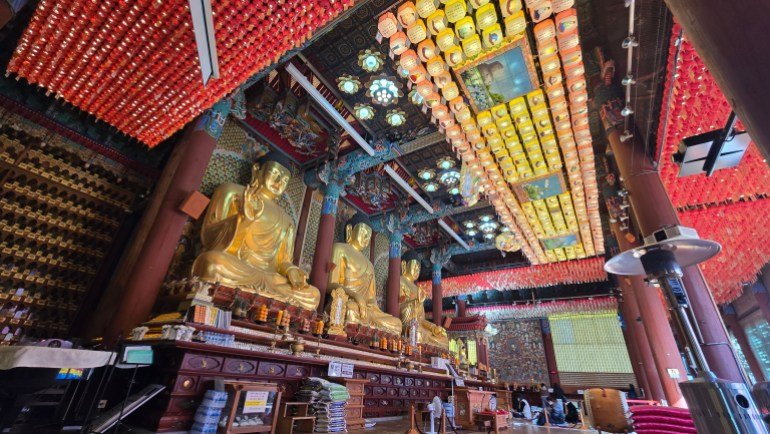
(572,416)
(555,409)
(523,410)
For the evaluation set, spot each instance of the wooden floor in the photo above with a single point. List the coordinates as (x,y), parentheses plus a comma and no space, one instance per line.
(400,427)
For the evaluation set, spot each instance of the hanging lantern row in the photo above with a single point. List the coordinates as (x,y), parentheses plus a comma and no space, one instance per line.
(596,305)
(537,276)
(135,66)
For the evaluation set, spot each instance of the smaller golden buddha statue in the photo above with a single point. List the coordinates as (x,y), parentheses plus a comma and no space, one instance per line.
(411,300)
(248,240)
(354,273)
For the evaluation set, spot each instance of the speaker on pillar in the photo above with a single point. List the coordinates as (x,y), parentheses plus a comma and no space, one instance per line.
(447,322)
(194,205)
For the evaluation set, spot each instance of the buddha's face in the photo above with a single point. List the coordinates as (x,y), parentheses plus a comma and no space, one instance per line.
(274,178)
(411,269)
(359,235)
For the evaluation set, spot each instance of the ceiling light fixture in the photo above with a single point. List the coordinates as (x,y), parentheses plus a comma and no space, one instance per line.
(449,177)
(445,163)
(370,60)
(383,90)
(395,117)
(426,174)
(364,112)
(430,187)
(348,84)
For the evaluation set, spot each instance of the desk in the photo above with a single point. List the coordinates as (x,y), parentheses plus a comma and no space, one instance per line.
(468,402)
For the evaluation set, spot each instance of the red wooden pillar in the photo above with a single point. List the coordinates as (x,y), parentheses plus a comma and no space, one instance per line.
(461,304)
(393,287)
(731,320)
(319,273)
(438,314)
(550,354)
(133,298)
(647,373)
(654,210)
(657,331)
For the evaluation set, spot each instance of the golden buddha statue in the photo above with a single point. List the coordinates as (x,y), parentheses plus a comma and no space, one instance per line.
(411,299)
(354,273)
(248,240)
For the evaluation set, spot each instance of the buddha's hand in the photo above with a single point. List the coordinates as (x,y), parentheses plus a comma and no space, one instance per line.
(253,204)
(297,278)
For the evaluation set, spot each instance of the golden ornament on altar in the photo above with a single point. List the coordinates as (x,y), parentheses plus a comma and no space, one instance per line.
(354,273)
(411,299)
(248,240)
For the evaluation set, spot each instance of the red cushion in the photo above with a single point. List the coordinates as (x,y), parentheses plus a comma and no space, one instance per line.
(663,419)
(661,411)
(643,428)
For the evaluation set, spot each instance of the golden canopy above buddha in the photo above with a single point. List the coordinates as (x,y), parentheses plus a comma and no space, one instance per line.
(354,273)
(248,239)
(411,301)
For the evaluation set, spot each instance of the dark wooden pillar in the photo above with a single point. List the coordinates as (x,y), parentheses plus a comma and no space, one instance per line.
(130,299)
(550,354)
(461,304)
(319,273)
(731,320)
(437,293)
(393,287)
(733,43)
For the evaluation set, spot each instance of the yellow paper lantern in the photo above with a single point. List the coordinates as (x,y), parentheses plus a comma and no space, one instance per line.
(442,79)
(517,106)
(499,111)
(509,7)
(465,27)
(472,46)
(409,60)
(387,25)
(484,118)
(426,7)
(464,115)
(426,49)
(455,9)
(515,25)
(475,4)
(454,56)
(492,36)
(445,39)
(435,66)
(486,16)
(437,22)
(417,32)
(407,14)
(450,91)
(399,43)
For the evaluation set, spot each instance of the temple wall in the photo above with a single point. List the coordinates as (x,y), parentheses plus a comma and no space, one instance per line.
(517,352)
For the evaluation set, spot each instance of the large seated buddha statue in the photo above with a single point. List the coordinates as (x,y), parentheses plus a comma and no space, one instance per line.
(248,239)
(411,299)
(354,272)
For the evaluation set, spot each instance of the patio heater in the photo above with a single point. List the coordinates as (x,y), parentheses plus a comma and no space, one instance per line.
(716,406)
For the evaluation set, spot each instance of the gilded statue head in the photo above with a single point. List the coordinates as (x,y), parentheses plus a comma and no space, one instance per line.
(410,269)
(358,235)
(358,232)
(272,178)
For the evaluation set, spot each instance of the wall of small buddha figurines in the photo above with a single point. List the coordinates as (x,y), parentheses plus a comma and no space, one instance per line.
(63,210)
(517,352)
